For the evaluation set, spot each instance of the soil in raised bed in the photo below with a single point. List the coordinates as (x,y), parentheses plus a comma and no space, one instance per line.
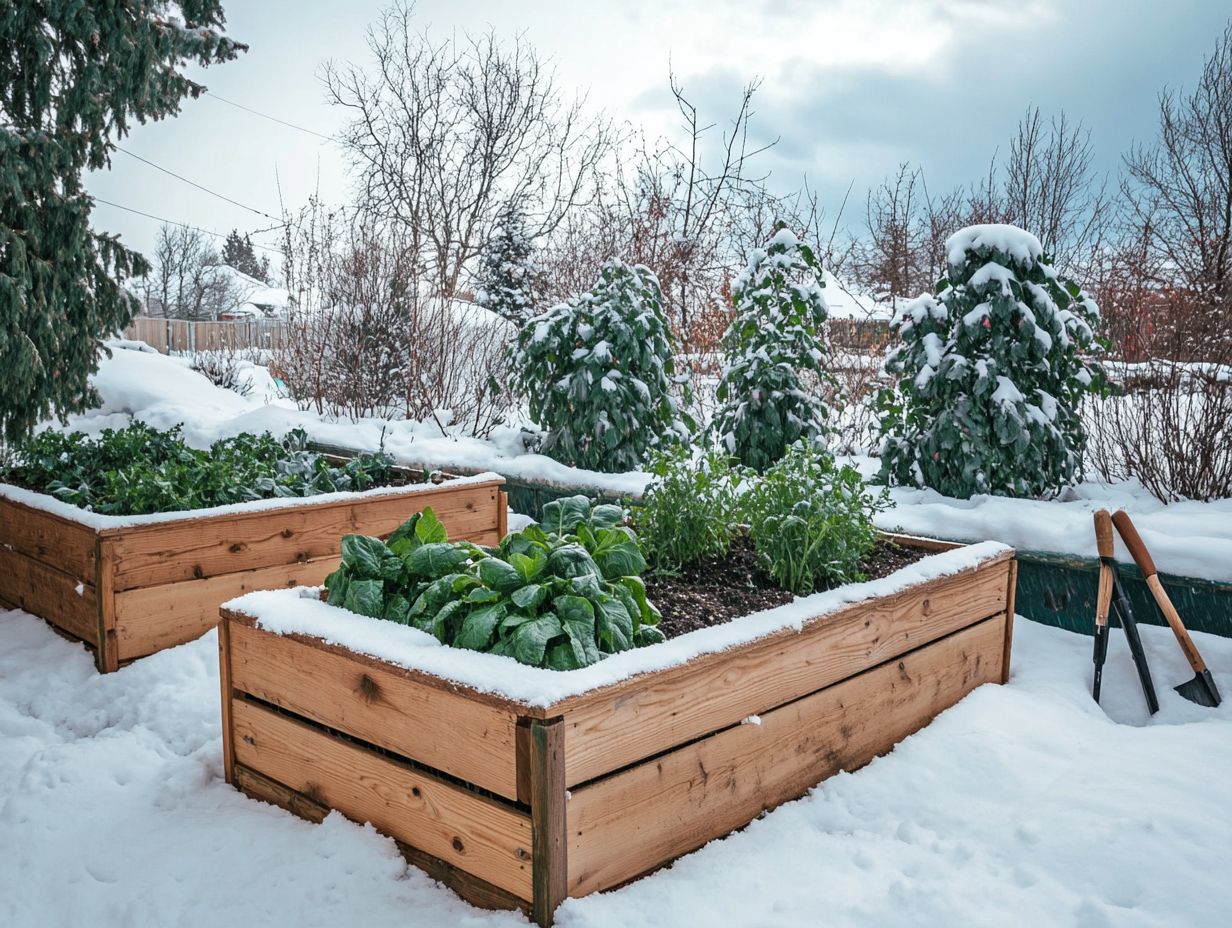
(715,591)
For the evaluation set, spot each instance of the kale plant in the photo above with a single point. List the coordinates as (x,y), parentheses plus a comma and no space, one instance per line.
(690,511)
(139,469)
(810,520)
(560,594)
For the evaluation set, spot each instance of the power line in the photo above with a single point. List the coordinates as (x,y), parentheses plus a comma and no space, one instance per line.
(182,225)
(249,109)
(193,183)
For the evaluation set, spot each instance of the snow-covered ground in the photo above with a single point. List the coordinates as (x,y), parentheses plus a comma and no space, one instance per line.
(1023,805)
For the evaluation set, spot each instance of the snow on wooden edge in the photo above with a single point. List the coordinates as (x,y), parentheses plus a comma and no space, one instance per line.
(300,611)
(101,521)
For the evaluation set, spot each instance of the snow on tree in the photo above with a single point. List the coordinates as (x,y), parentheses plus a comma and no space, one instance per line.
(70,73)
(597,372)
(776,336)
(506,283)
(989,374)
(237,252)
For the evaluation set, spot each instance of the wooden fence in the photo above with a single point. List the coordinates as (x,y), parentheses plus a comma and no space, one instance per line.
(176,335)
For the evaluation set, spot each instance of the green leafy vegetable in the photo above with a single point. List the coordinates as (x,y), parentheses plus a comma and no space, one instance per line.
(561,597)
(139,470)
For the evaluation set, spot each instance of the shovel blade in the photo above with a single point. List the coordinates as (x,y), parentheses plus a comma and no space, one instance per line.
(1201,690)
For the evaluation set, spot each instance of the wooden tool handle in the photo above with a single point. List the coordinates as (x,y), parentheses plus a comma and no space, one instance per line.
(1103,533)
(1142,558)
(1103,599)
(1188,648)
(1133,541)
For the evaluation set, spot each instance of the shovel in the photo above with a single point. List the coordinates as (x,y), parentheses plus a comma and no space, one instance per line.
(1111,592)
(1201,689)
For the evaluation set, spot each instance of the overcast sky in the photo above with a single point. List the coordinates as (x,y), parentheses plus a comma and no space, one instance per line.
(851,87)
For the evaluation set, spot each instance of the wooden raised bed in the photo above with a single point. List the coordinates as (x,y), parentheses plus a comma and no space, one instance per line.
(131,586)
(519,805)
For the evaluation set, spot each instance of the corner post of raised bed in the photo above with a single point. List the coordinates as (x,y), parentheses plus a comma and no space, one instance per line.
(227,694)
(502,515)
(546,786)
(1011,589)
(106,654)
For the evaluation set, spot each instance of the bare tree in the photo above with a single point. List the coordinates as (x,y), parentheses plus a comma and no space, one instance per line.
(185,280)
(1050,190)
(446,132)
(688,208)
(1179,189)
(889,264)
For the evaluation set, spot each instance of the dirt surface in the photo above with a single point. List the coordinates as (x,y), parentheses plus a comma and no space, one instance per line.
(712,592)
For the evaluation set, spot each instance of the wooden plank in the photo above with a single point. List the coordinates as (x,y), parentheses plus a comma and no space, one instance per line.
(149,619)
(547,812)
(107,649)
(50,594)
(193,549)
(56,541)
(469,887)
(623,724)
(1011,590)
(227,694)
(919,541)
(634,821)
(441,729)
(487,838)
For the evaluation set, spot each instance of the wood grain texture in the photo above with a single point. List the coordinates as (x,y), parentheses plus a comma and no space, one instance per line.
(107,647)
(643,817)
(469,887)
(51,594)
(441,729)
(484,837)
(194,549)
(619,725)
(226,693)
(547,810)
(149,619)
(56,541)
(1011,590)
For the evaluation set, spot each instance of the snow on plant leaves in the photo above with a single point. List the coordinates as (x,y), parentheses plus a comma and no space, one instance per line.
(554,599)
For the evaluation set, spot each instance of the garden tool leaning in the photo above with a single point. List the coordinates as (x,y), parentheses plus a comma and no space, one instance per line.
(1111,594)
(1201,689)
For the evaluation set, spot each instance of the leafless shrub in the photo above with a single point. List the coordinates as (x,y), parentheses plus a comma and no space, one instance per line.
(1170,426)
(366,337)
(227,366)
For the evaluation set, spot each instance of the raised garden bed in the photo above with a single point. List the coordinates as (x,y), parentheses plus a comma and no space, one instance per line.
(520,787)
(128,586)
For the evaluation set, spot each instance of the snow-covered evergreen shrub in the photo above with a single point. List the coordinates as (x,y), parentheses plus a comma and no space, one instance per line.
(597,373)
(989,373)
(776,336)
(507,273)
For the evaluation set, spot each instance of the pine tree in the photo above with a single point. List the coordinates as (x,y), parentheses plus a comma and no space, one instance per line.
(989,374)
(237,252)
(597,372)
(70,74)
(776,335)
(507,278)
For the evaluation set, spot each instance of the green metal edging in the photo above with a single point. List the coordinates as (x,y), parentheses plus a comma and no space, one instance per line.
(1060,590)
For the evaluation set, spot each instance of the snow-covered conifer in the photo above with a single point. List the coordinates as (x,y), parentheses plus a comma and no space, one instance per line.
(507,277)
(597,373)
(776,336)
(990,373)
